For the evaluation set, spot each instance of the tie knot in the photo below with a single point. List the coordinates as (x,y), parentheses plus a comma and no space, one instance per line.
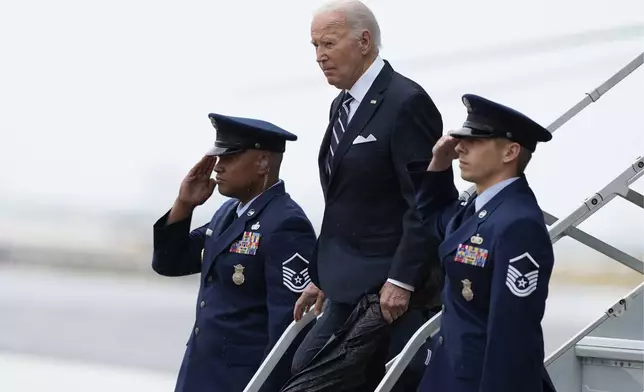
(347,98)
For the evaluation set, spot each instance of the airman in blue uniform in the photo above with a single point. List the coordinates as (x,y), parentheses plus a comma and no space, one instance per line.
(496,252)
(252,256)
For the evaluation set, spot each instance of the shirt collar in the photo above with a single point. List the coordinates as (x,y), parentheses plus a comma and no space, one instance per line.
(490,192)
(241,208)
(362,86)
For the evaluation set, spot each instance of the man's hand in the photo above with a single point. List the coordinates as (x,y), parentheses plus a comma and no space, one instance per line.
(394,301)
(311,295)
(195,189)
(443,153)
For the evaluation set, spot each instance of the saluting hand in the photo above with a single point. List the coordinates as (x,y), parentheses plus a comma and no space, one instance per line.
(443,153)
(197,186)
(394,301)
(195,189)
(311,295)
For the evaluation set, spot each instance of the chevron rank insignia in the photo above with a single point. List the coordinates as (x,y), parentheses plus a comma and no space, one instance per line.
(295,273)
(522,276)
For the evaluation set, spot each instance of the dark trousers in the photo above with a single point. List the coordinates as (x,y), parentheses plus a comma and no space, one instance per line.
(336,314)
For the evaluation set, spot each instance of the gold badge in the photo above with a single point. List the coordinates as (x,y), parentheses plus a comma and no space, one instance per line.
(238,276)
(476,239)
(467,292)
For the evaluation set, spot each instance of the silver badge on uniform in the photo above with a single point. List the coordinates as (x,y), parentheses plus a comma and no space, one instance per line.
(476,239)
(208,232)
(238,276)
(251,212)
(467,292)
(255,226)
(482,214)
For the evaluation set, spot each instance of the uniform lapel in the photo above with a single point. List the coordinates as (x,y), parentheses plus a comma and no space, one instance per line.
(233,231)
(458,232)
(471,226)
(229,215)
(363,114)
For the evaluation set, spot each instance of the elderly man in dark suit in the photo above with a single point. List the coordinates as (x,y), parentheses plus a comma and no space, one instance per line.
(371,240)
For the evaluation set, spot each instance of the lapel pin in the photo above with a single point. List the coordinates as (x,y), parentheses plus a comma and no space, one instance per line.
(373,101)
(255,226)
(251,213)
(482,214)
(208,232)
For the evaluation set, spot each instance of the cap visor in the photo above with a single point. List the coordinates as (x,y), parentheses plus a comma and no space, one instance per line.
(216,151)
(219,151)
(468,133)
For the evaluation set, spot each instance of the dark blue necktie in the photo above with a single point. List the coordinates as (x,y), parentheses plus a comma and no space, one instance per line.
(469,211)
(339,128)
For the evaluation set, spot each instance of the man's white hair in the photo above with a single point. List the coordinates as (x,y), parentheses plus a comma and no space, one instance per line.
(359,18)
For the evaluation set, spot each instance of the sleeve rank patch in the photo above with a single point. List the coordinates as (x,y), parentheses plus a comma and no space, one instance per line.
(523,273)
(295,273)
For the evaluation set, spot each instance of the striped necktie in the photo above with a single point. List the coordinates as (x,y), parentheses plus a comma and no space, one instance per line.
(339,127)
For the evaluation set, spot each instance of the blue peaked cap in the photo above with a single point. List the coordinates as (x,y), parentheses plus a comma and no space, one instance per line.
(237,134)
(488,119)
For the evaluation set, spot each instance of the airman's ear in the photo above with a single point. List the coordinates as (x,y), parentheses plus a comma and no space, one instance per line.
(263,163)
(512,152)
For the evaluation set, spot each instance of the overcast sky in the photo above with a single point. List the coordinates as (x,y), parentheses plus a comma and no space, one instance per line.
(104,104)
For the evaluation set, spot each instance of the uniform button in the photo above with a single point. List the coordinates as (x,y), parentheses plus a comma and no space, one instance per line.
(202,304)
(440,340)
(196,330)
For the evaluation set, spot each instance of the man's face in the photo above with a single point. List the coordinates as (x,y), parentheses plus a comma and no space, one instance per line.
(237,172)
(338,51)
(482,159)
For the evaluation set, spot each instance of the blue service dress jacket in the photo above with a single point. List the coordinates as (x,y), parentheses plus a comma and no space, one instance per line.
(253,268)
(497,261)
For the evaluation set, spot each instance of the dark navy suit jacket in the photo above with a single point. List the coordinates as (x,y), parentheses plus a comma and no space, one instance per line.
(498,264)
(238,321)
(370,231)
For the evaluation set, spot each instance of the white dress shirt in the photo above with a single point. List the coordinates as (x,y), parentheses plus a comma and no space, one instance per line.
(362,85)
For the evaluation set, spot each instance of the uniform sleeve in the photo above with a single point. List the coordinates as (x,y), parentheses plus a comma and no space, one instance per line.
(523,262)
(177,250)
(289,250)
(436,197)
(418,126)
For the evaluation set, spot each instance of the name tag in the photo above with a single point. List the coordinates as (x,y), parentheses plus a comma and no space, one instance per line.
(247,245)
(472,255)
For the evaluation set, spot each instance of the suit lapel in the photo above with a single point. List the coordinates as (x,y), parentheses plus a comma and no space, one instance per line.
(363,114)
(233,231)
